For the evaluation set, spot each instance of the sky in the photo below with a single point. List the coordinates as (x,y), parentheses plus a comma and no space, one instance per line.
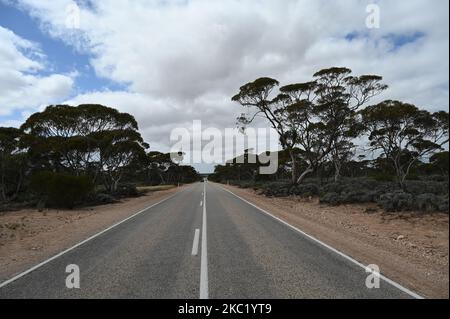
(169,62)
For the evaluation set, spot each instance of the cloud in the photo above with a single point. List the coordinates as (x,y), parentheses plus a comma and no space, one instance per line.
(183,60)
(21,85)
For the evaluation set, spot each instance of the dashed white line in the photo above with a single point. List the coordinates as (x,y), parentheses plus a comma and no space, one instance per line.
(204,293)
(195,243)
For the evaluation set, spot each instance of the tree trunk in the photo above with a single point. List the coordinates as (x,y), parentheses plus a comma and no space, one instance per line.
(337,171)
(309,170)
(115,185)
(3,186)
(294,166)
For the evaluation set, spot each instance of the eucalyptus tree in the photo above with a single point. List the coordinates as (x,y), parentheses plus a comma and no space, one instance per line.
(88,139)
(314,120)
(256,95)
(405,134)
(13,163)
(339,96)
(166,168)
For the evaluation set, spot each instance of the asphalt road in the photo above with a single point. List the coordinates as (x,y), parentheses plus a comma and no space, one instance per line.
(182,248)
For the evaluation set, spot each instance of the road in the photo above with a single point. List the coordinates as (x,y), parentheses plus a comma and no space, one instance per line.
(204,242)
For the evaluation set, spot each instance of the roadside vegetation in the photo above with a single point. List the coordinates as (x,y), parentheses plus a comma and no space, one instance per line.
(340,148)
(68,156)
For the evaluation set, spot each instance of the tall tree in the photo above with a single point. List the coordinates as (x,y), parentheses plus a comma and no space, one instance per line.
(404,134)
(89,139)
(13,162)
(255,95)
(339,96)
(317,117)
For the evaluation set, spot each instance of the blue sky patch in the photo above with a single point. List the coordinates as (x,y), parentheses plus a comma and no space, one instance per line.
(60,57)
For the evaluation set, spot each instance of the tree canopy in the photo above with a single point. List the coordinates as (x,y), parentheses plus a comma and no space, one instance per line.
(317,117)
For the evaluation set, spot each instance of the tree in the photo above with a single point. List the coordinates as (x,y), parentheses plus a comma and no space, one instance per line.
(305,135)
(61,189)
(404,134)
(318,117)
(89,139)
(159,165)
(256,95)
(118,150)
(339,96)
(439,161)
(12,163)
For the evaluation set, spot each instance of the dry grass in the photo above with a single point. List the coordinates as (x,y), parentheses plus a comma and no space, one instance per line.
(147,189)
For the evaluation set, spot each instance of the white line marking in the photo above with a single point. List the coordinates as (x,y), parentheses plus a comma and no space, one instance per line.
(196,241)
(204,258)
(3,284)
(393,283)
(201,203)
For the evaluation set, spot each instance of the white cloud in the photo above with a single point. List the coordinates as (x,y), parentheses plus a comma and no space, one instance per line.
(183,60)
(21,86)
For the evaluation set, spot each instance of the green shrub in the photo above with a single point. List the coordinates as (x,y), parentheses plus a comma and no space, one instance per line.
(102,199)
(396,201)
(419,195)
(401,201)
(427,187)
(60,189)
(383,177)
(331,198)
(126,190)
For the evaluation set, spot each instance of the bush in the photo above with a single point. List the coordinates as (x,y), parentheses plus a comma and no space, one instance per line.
(61,190)
(431,203)
(427,187)
(102,199)
(401,201)
(427,196)
(331,198)
(362,196)
(305,190)
(396,201)
(443,204)
(383,177)
(126,190)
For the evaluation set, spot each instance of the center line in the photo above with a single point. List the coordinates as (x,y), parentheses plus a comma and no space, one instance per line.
(204,257)
(195,244)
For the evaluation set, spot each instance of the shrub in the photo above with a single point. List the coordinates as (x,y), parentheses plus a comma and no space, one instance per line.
(396,201)
(426,202)
(427,187)
(401,201)
(126,190)
(428,196)
(383,177)
(443,204)
(60,189)
(102,199)
(246,184)
(362,196)
(305,190)
(331,198)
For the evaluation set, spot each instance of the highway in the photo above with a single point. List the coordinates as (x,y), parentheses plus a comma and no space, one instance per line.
(203,242)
